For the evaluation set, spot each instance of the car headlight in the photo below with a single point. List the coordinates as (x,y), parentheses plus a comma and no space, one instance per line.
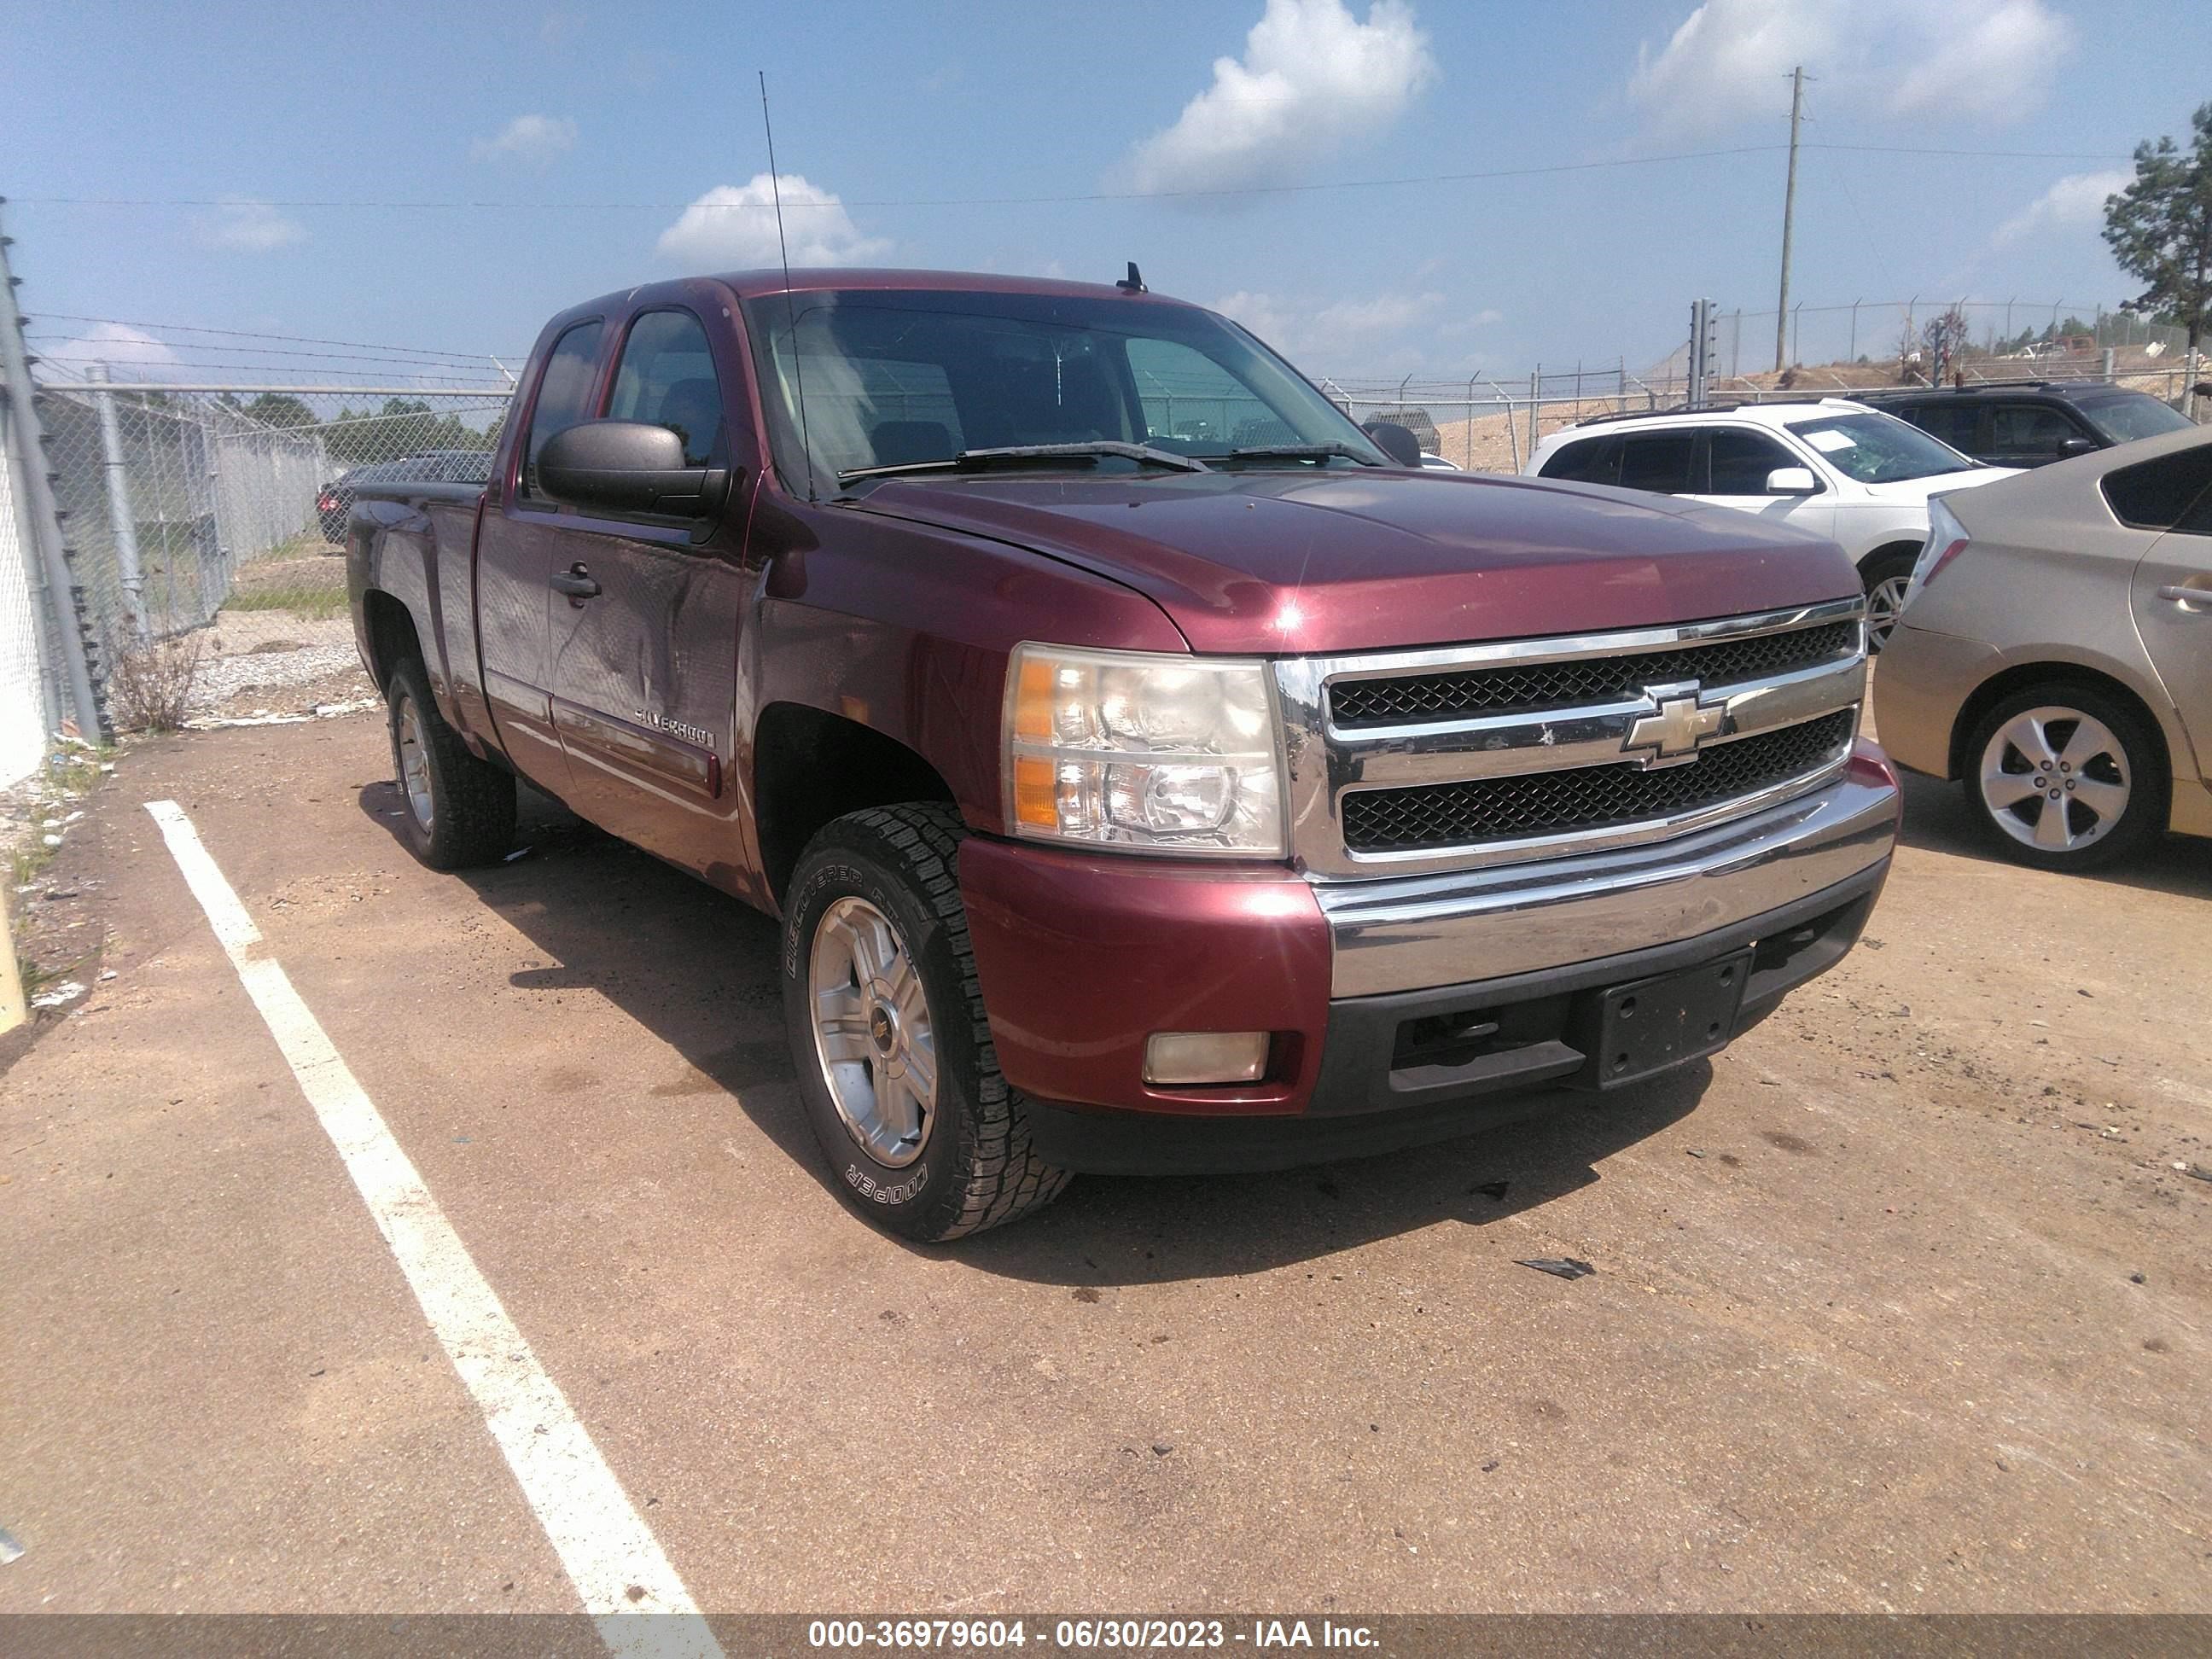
(1145,752)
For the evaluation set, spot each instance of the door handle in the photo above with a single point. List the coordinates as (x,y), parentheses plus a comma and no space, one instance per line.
(2189,597)
(576,583)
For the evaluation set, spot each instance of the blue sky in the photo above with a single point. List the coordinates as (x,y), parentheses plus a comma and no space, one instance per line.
(584,132)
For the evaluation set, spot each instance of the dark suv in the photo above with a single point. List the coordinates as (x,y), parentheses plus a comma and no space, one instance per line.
(2030,422)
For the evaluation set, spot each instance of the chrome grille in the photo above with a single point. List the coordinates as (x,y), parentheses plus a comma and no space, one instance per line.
(1588,797)
(1459,756)
(1404,699)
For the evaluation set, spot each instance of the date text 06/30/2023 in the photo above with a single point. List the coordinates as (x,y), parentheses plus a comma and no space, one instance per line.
(1085,1635)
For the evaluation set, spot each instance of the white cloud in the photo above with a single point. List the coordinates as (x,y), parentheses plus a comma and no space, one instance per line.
(1993,58)
(1312,78)
(1302,332)
(1730,60)
(245,225)
(733,226)
(130,354)
(2075,202)
(536,139)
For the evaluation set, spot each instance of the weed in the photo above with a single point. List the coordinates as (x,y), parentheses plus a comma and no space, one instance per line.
(150,687)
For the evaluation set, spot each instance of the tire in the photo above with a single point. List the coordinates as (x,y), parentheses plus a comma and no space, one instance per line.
(1884,576)
(2106,765)
(455,811)
(920,1131)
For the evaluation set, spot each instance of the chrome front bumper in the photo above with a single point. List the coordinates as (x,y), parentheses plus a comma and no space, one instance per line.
(1405,933)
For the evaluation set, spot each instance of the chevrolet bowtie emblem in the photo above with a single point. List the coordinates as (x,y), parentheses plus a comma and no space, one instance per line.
(1671,735)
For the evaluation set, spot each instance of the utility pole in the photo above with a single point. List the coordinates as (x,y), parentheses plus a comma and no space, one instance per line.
(1788,211)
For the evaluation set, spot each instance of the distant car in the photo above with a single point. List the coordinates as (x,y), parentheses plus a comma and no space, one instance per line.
(1835,467)
(2034,422)
(1437,463)
(334,500)
(2056,654)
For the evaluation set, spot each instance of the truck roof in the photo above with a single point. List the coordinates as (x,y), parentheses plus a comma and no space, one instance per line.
(749,284)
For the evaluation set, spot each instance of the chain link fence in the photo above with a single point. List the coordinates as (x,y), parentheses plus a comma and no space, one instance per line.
(183,504)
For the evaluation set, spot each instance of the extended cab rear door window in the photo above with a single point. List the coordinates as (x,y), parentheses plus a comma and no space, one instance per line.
(666,378)
(564,395)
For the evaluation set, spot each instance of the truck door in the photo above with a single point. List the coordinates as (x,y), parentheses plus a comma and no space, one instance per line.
(515,547)
(644,671)
(2172,595)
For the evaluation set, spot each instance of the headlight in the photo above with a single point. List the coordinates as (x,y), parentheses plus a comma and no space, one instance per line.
(1151,753)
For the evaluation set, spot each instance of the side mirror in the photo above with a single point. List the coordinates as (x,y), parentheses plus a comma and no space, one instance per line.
(627,467)
(2069,447)
(1792,481)
(1396,441)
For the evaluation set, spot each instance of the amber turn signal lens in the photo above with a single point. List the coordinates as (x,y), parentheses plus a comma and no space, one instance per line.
(1033,700)
(1035,799)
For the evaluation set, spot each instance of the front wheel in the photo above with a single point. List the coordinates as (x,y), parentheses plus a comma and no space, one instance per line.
(895,1065)
(1885,576)
(2064,777)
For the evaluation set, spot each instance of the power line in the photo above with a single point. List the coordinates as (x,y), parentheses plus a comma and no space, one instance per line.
(304,204)
(252,334)
(454,365)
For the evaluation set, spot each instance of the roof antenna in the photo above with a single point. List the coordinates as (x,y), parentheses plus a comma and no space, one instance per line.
(1133,282)
(790,307)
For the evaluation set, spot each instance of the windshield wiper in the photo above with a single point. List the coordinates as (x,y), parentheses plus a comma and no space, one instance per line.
(977,460)
(1297,453)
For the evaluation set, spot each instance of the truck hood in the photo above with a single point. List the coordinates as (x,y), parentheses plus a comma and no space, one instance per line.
(1277,563)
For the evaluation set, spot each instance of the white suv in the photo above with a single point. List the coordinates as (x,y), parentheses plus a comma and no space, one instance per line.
(1840,469)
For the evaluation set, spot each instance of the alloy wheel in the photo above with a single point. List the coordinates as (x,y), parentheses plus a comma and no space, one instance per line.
(2055,779)
(872,1035)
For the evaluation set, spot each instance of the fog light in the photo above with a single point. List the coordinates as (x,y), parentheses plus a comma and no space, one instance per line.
(1186,1057)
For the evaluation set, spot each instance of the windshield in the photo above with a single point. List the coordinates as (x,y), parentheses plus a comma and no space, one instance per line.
(898,378)
(2130,414)
(1879,448)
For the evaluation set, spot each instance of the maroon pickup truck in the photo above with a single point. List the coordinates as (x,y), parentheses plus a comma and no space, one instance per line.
(1150,772)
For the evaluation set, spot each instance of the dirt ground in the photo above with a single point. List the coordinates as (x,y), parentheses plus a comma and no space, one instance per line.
(1901,1303)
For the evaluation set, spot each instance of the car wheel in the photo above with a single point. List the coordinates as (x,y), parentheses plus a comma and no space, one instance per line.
(896,1065)
(454,809)
(1886,575)
(2064,777)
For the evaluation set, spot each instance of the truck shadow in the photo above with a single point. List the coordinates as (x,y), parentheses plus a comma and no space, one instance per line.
(1937,819)
(698,970)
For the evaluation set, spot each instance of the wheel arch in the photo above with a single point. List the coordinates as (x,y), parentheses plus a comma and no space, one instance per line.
(1998,686)
(811,767)
(388,633)
(1886,549)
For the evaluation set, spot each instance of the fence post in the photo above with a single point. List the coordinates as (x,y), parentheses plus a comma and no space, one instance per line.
(35,503)
(121,519)
(1535,391)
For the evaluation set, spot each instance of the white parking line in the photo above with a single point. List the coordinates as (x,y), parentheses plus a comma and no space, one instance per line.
(609,1553)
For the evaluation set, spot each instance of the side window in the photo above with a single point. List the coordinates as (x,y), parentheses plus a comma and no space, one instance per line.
(2174,492)
(1742,460)
(564,396)
(666,378)
(1658,460)
(1587,461)
(1186,394)
(1954,423)
(2028,431)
